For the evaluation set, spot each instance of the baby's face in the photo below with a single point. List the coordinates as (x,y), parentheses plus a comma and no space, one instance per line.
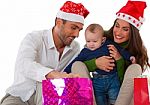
(93,40)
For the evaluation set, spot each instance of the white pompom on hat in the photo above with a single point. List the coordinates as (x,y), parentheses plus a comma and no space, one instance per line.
(71,11)
(133,12)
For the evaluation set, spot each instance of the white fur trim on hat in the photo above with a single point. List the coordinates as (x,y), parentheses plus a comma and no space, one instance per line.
(138,0)
(70,17)
(131,20)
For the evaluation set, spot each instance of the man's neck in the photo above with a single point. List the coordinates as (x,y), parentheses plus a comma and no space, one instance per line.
(58,43)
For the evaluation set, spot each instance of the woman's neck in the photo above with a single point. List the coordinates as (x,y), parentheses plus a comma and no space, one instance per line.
(124,44)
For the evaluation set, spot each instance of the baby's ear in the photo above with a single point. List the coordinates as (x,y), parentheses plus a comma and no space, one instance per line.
(103,39)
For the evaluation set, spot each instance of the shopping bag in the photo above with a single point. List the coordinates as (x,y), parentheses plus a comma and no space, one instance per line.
(141,96)
(67,91)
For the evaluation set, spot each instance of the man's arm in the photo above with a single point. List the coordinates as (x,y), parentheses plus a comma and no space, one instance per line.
(26,58)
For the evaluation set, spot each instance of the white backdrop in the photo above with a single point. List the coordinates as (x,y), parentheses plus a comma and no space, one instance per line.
(19,17)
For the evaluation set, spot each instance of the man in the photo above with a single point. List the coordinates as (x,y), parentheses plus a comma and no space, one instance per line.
(45,54)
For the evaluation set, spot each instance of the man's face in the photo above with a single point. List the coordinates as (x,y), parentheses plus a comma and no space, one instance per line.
(68,31)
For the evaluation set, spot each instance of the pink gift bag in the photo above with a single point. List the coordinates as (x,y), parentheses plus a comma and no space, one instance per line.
(67,91)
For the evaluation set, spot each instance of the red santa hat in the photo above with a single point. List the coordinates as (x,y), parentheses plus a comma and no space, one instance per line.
(133,12)
(71,11)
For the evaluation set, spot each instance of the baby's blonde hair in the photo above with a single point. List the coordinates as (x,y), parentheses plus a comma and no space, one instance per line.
(93,28)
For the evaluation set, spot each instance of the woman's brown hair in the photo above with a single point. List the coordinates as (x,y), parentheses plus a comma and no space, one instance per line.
(135,45)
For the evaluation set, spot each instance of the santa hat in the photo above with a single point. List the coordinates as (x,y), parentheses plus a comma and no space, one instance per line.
(71,11)
(133,12)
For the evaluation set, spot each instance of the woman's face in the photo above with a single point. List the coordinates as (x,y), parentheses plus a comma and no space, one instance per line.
(121,31)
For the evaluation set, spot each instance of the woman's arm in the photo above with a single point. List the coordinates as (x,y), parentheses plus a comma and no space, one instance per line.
(120,68)
(104,63)
(91,65)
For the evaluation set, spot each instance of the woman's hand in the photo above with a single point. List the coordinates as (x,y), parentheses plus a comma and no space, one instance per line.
(133,60)
(105,63)
(114,52)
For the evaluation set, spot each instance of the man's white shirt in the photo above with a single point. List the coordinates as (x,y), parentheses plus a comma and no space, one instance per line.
(37,57)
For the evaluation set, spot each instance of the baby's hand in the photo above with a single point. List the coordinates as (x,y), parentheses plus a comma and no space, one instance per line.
(133,60)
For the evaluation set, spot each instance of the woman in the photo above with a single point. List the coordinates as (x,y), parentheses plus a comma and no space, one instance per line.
(124,32)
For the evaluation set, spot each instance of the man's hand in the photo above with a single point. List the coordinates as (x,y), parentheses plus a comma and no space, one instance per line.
(56,74)
(105,63)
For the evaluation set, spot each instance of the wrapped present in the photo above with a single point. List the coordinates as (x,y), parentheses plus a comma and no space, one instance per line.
(67,91)
(142,89)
